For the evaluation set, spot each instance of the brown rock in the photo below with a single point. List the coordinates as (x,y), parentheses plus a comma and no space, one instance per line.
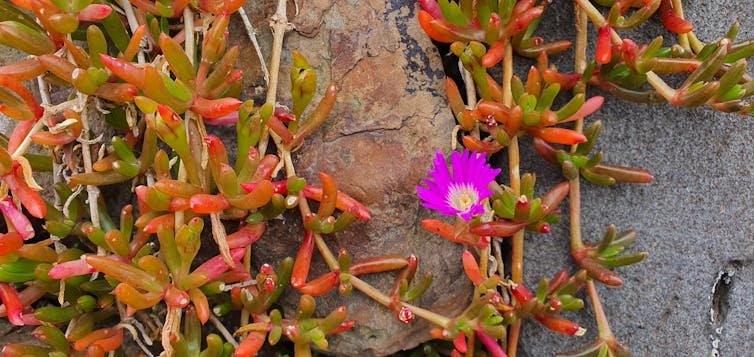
(377,144)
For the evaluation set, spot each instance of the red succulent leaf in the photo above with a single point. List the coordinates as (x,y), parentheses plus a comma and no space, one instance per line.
(471,268)
(95,12)
(671,20)
(12,303)
(604,52)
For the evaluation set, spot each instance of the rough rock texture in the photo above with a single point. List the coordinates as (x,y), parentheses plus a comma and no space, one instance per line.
(389,119)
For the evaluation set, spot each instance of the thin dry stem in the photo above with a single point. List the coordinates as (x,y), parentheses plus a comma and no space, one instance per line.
(252,33)
(188,29)
(332,262)
(169,328)
(92,191)
(133,24)
(280,25)
(383,299)
(86,153)
(44,93)
(223,330)
(471,96)
(48,112)
(220,237)
(21,149)
(135,336)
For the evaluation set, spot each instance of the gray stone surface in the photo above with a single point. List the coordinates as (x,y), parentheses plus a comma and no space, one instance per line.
(695,219)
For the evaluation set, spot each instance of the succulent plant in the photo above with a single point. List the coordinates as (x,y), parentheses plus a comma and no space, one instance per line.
(152,77)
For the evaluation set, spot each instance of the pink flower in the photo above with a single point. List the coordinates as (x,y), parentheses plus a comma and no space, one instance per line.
(458,192)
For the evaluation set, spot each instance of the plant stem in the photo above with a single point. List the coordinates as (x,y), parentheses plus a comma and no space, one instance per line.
(86,153)
(280,25)
(581,40)
(471,97)
(44,93)
(683,39)
(188,30)
(517,260)
(661,87)
(332,261)
(471,102)
(574,212)
(24,145)
(517,268)
(498,254)
(133,24)
(48,112)
(597,17)
(603,327)
(253,37)
(223,330)
(652,78)
(169,329)
(383,299)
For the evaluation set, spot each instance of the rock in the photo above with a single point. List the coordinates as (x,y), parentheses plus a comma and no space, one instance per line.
(390,117)
(694,219)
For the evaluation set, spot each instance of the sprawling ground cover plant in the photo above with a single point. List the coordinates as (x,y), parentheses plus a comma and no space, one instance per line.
(144,79)
(152,75)
(495,114)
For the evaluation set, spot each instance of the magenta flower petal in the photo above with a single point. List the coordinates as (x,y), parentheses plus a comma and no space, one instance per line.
(460,190)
